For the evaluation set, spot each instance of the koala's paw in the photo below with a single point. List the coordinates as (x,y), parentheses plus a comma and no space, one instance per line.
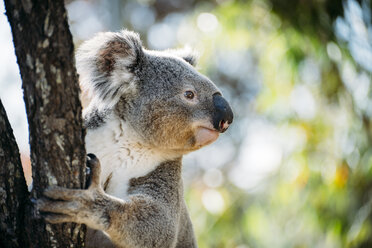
(74,205)
(62,205)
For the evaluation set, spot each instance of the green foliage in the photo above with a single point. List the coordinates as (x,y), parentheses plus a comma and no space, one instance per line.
(320,195)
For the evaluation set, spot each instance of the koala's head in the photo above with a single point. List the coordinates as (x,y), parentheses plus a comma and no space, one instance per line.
(159,94)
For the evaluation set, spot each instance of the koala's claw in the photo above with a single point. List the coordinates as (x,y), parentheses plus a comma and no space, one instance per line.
(94,171)
(88,175)
(91,156)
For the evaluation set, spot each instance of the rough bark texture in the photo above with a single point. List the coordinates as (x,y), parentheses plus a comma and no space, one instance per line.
(45,56)
(13,189)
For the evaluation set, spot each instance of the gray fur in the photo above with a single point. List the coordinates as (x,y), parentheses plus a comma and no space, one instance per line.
(143,92)
(95,118)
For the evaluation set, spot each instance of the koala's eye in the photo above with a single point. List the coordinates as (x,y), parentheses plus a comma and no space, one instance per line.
(189,94)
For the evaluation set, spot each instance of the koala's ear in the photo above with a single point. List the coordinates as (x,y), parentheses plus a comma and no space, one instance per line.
(187,54)
(107,65)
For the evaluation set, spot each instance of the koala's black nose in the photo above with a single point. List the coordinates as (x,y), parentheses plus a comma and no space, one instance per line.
(223,115)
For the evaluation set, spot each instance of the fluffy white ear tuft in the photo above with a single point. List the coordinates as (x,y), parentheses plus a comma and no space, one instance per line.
(187,54)
(107,66)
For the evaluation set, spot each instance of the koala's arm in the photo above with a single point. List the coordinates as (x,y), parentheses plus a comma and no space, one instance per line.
(148,218)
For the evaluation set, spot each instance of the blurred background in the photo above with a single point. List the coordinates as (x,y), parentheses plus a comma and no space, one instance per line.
(295,168)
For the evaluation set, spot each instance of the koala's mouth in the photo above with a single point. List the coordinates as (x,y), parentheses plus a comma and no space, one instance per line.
(205,135)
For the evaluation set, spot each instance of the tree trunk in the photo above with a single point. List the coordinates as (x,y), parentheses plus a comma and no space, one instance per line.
(45,56)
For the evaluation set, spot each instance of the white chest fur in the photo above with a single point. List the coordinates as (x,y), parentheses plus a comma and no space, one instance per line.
(121,156)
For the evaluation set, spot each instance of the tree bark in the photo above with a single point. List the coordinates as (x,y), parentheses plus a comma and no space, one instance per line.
(45,55)
(13,188)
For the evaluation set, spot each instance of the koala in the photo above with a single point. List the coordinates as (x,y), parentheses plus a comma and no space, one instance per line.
(143,110)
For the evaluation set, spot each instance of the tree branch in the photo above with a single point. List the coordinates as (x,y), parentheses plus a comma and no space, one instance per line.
(13,189)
